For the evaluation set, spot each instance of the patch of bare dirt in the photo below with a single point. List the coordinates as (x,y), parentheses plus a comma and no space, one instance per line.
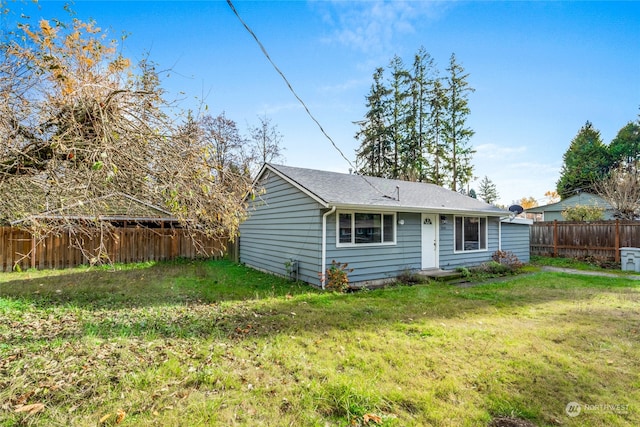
(510,422)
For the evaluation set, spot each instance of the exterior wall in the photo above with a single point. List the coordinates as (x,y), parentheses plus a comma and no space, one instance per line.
(284,224)
(557,215)
(515,238)
(380,262)
(553,212)
(449,259)
(552,216)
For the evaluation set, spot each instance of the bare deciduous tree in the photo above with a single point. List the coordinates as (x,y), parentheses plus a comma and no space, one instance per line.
(266,140)
(224,145)
(621,189)
(78,121)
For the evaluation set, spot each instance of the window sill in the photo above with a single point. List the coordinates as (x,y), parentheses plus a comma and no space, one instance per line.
(363,245)
(471,251)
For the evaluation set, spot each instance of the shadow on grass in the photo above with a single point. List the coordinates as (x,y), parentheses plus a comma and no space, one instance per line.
(372,309)
(224,300)
(145,285)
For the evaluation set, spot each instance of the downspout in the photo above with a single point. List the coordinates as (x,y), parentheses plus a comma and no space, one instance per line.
(323,260)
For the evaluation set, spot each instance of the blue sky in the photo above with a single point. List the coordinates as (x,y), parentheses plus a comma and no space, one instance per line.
(540,69)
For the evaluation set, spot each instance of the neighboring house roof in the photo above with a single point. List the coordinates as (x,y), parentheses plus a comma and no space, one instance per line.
(113,207)
(356,191)
(581,199)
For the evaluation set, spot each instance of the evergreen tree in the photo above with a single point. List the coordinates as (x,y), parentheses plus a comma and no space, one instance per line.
(372,157)
(487,190)
(418,147)
(456,134)
(436,145)
(399,119)
(415,125)
(625,147)
(586,161)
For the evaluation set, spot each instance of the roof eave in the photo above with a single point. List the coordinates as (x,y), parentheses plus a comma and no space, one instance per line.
(268,167)
(94,218)
(418,209)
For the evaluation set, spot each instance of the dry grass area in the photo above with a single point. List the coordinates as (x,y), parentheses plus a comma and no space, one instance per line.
(212,343)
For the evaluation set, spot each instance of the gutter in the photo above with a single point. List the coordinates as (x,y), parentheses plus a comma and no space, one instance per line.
(323,260)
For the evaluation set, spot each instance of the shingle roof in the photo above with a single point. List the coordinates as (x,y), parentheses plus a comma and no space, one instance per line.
(111,207)
(586,199)
(348,190)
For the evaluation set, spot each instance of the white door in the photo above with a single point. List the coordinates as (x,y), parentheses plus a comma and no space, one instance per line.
(429,241)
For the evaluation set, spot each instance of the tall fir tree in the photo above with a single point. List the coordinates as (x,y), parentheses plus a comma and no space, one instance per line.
(487,190)
(625,147)
(456,134)
(415,125)
(586,161)
(422,79)
(436,144)
(373,155)
(399,117)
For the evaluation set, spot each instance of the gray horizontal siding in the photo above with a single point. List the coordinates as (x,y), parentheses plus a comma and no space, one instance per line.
(515,238)
(552,215)
(379,262)
(283,224)
(286,224)
(449,259)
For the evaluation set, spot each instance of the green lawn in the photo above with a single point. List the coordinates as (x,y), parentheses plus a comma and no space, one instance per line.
(213,343)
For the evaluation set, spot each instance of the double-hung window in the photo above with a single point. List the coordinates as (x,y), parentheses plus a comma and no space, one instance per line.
(470,233)
(365,228)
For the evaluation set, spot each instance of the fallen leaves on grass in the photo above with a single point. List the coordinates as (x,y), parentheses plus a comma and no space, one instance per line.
(371,417)
(31,409)
(21,400)
(120,416)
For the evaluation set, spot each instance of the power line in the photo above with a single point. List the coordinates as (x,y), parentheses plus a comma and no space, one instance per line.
(266,54)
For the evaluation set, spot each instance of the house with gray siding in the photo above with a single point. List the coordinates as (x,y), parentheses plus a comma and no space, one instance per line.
(553,211)
(302,219)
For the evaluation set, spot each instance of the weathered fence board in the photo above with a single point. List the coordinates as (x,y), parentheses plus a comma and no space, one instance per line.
(20,249)
(601,239)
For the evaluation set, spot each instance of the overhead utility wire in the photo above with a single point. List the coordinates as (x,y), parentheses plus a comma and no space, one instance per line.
(266,54)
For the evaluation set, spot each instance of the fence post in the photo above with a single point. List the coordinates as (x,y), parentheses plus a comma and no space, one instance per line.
(617,255)
(555,238)
(33,250)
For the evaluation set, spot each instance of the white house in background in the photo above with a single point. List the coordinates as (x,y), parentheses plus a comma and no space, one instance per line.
(302,219)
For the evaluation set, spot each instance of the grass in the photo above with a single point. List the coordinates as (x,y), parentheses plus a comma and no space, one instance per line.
(213,343)
(584,264)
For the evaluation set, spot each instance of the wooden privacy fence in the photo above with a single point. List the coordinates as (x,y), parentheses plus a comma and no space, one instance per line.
(601,239)
(21,249)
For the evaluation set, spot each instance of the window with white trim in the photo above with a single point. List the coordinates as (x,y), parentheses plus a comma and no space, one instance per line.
(365,228)
(470,233)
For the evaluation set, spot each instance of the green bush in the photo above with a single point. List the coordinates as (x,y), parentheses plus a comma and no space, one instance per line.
(583,213)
